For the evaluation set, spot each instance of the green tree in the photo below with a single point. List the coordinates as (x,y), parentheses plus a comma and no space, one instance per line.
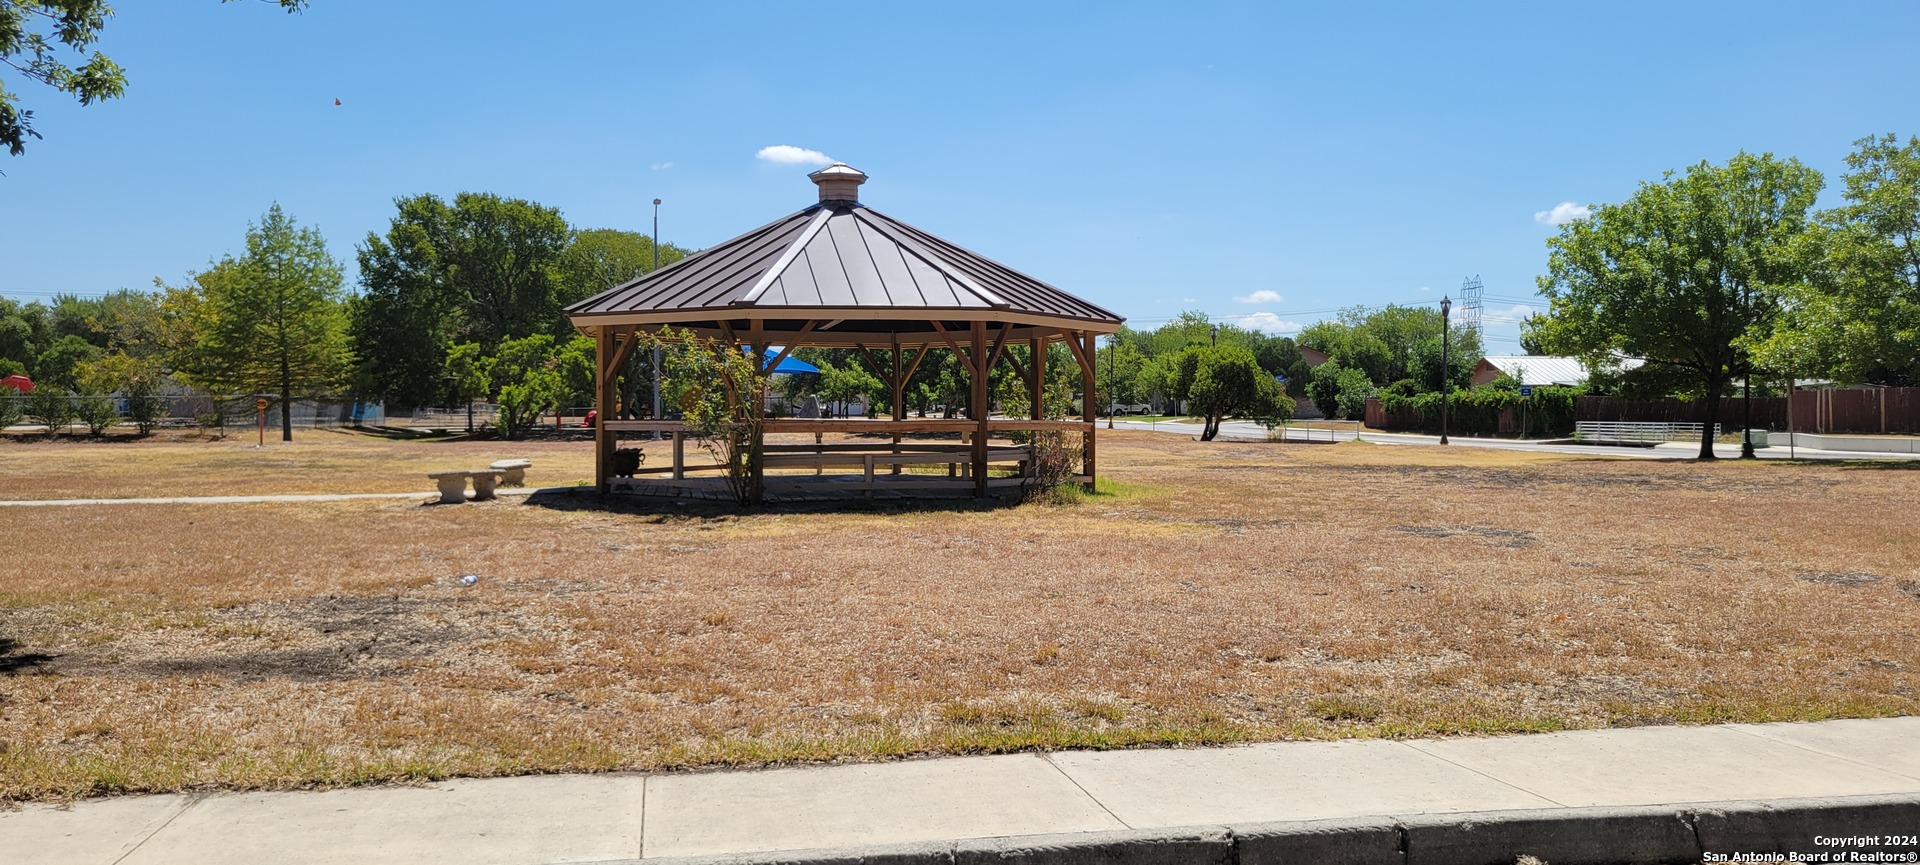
(480,269)
(470,371)
(59,365)
(274,318)
(1858,318)
(1685,272)
(35,34)
(1227,380)
(597,259)
(136,381)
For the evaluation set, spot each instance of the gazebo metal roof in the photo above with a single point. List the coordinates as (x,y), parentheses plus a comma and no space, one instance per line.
(839,259)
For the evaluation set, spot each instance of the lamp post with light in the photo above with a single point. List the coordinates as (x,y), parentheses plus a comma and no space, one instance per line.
(1446,363)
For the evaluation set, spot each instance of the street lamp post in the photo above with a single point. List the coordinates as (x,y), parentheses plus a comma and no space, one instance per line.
(1446,363)
(1216,334)
(1746,395)
(657,434)
(1112,399)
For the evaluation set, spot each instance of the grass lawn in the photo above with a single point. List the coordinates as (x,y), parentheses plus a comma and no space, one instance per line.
(1224,592)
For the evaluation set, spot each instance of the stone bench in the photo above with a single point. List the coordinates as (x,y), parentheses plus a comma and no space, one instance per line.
(514,472)
(453,484)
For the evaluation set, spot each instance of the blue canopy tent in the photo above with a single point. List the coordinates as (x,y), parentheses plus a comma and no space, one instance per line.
(790,364)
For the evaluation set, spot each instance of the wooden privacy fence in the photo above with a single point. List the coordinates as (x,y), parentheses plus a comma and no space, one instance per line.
(1893,410)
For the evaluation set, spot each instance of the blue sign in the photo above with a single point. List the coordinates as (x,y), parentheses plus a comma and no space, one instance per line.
(1526,390)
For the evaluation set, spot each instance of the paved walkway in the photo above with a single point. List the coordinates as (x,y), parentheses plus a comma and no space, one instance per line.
(1460,785)
(1303,432)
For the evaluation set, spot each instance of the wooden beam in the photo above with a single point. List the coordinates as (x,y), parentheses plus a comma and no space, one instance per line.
(1019,368)
(1037,383)
(918,356)
(1087,411)
(1079,354)
(788,349)
(999,345)
(879,369)
(957,353)
(625,350)
(603,400)
(981,411)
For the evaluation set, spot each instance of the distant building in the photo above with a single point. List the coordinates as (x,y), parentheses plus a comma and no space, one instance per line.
(1537,370)
(1313,356)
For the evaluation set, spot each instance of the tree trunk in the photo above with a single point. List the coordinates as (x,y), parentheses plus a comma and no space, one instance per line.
(286,400)
(1713,420)
(1211,428)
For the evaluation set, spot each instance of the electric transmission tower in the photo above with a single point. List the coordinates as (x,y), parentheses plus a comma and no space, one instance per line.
(1470,304)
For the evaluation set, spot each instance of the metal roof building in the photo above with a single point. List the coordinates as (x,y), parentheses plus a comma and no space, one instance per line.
(1537,370)
(839,273)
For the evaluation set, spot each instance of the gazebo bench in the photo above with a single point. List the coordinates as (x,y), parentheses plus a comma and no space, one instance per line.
(453,484)
(514,472)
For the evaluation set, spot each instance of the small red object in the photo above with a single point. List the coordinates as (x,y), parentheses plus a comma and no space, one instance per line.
(18,382)
(592,415)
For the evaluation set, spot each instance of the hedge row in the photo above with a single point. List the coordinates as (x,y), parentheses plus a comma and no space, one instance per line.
(1549,412)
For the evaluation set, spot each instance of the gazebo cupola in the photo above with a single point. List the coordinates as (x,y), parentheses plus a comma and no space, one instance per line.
(840,274)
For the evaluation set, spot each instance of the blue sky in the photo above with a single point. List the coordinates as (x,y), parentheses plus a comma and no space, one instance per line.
(1258,159)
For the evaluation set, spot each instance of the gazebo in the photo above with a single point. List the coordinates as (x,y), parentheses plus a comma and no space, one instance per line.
(840,274)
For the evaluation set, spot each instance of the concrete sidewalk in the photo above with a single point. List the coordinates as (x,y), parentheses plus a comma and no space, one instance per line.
(1585,796)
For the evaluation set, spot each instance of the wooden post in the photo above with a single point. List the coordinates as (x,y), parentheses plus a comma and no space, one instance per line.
(1087,398)
(603,400)
(899,398)
(980,408)
(679,454)
(1037,388)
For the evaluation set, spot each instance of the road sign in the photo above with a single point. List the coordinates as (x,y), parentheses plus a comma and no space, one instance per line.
(260,404)
(1526,390)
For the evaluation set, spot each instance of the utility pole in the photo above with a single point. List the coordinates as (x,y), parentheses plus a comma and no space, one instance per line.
(657,434)
(1446,365)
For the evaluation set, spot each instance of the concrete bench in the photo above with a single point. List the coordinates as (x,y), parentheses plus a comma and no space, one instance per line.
(453,484)
(514,472)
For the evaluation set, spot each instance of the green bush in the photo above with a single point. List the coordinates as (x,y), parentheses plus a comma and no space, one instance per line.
(51,405)
(1477,411)
(97,411)
(12,408)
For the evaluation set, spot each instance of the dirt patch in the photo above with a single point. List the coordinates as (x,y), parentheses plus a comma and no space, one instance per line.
(1838,578)
(1510,538)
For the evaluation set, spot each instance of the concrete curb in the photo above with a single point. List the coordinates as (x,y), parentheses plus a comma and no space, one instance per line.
(1557,836)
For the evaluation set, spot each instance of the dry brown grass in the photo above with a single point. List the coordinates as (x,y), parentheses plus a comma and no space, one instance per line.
(317,461)
(1227,592)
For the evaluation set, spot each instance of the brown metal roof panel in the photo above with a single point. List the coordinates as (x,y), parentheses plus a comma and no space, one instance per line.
(702,278)
(1032,294)
(869,287)
(823,261)
(797,287)
(892,268)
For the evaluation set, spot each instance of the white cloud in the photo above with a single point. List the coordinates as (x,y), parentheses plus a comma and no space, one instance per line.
(1426,288)
(1563,213)
(1261,296)
(787,154)
(1189,300)
(1266,322)
(662,166)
